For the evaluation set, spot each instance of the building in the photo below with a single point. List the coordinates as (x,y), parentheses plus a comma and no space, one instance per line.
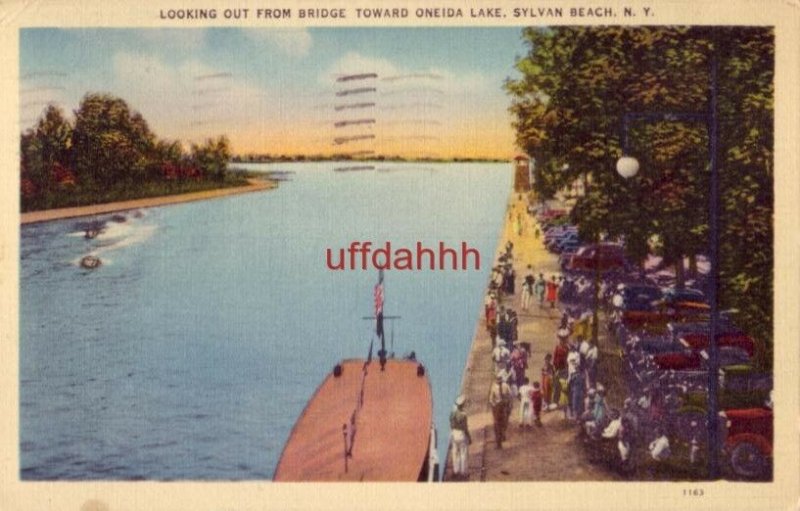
(522,173)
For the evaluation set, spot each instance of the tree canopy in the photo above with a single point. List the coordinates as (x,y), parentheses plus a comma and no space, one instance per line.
(109,151)
(569,102)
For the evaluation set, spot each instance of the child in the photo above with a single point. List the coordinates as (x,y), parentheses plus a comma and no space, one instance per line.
(536,398)
(547,380)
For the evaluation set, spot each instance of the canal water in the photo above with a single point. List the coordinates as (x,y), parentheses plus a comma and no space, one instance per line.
(192,350)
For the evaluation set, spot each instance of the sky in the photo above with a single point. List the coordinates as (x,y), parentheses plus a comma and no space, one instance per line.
(438,91)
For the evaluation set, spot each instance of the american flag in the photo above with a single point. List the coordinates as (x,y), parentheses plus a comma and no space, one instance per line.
(378,298)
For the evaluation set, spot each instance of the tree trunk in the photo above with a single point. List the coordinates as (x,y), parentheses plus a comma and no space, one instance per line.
(680,276)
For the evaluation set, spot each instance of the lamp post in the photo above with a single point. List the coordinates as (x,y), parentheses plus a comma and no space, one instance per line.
(627,167)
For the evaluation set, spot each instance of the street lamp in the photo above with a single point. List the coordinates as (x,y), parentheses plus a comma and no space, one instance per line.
(628,166)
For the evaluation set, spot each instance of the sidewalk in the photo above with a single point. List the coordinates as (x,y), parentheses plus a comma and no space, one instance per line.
(552,452)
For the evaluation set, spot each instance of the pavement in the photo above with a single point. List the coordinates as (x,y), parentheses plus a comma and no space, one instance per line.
(552,452)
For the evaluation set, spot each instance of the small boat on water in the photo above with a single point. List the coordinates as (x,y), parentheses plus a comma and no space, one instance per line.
(90,262)
(369,420)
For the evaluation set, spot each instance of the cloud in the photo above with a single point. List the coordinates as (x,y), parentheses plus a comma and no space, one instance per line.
(190,101)
(295,42)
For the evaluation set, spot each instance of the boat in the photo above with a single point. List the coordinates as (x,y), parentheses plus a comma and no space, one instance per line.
(369,420)
(90,262)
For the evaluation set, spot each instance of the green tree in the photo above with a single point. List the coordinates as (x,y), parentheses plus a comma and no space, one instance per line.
(42,150)
(111,144)
(574,86)
(212,157)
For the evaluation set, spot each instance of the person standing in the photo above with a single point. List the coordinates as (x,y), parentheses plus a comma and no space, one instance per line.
(500,403)
(548,371)
(491,316)
(500,356)
(539,289)
(519,361)
(527,289)
(526,404)
(513,325)
(509,280)
(590,361)
(460,438)
(536,400)
(503,324)
(552,292)
(560,370)
(575,384)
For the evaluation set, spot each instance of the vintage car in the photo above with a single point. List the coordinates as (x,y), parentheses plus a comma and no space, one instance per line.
(598,256)
(699,341)
(657,317)
(748,441)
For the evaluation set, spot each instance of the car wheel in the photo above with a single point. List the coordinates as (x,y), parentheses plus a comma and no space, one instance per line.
(747,460)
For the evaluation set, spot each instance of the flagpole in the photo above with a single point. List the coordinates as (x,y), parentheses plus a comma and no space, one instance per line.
(380,299)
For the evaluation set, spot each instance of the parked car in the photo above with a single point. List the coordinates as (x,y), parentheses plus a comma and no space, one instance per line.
(599,256)
(748,441)
(556,244)
(686,299)
(656,316)
(699,341)
(555,232)
(566,255)
(568,244)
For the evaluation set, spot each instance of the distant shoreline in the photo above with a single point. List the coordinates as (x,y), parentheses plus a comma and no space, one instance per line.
(48,215)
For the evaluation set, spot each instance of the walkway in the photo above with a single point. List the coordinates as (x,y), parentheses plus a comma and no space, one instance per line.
(552,452)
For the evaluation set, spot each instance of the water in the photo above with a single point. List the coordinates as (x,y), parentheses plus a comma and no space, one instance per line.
(192,350)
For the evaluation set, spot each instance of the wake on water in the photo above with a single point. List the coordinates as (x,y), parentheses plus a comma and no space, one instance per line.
(114,235)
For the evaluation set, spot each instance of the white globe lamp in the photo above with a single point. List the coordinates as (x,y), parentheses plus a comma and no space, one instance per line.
(627,166)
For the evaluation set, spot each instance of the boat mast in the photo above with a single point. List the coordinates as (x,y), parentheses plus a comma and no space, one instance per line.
(379,298)
(379,317)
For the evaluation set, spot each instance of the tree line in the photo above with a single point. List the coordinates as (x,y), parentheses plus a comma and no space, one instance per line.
(574,88)
(110,153)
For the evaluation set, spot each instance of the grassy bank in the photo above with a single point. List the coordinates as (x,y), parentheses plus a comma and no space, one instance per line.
(75,197)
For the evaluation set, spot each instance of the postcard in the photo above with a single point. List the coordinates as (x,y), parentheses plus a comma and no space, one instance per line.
(525,255)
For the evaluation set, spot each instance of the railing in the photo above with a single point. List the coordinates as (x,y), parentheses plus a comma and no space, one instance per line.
(349,430)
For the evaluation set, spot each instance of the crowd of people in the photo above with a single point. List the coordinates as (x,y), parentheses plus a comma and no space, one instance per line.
(567,381)
(568,378)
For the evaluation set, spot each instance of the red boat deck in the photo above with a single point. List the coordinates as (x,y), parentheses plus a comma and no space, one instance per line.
(392,427)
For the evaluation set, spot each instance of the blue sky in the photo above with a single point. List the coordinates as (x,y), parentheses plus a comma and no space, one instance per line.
(273,90)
